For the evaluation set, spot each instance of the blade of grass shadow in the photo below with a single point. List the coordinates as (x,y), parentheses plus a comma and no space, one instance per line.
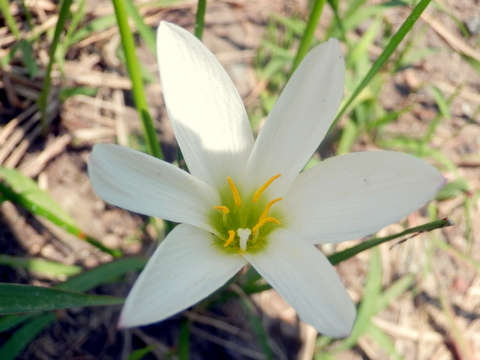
(383,58)
(153,144)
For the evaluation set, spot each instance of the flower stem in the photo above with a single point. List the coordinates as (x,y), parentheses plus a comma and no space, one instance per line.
(133,67)
(200,18)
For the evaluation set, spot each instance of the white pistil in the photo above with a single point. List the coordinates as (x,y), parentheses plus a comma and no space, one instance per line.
(243,236)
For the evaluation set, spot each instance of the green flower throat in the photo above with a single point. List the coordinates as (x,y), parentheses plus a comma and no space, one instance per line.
(244,222)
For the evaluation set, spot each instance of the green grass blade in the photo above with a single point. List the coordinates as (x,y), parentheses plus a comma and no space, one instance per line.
(383,58)
(257,327)
(307,38)
(384,341)
(40,266)
(47,81)
(23,336)
(8,322)
(183,351)
(338,257)
(8,18)
(26,193)
(77,17)
(133,67)
(84,282)
(19,299)
(200,18)
(144,30)
(94,26)
(354,250)
(102,274)
(139,354)
(367,307)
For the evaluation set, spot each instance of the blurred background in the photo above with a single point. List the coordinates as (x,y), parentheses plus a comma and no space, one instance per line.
(417,299)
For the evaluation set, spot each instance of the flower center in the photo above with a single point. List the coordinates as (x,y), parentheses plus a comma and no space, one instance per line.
(243,221)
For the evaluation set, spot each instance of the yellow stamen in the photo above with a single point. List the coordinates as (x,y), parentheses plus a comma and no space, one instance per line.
(223,209)
(263,187)
(231,236)
(263,222)
(236,195)
(267,208)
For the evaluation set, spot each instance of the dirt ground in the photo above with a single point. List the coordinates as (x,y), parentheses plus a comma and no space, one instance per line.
(416,321)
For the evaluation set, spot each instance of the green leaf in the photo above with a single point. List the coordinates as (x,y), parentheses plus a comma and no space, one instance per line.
(67,92)
(84,282)
(354,250)
(32,196)
(383,58)
(17,299)
(40,265)
(145,31)
(453,189)
(47,81)
(367,308)
(139,354)
(25,192)
(384,341)
(23,336)
(102,274)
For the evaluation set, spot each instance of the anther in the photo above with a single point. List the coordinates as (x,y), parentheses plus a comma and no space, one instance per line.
(263,222)
(231,236)
(262,188)
(236,195)
(223,209)
(267,208)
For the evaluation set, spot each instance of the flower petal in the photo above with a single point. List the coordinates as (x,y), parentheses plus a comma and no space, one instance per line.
(207,114)
(357,194)
(307,281)
(184,269)
(141,183)
(300,118)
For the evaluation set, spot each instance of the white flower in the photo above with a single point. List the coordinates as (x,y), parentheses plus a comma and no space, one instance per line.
(247,202)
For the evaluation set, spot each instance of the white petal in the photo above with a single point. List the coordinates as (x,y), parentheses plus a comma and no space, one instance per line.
(300,118)
(184,269)
(307,281)
(141,183)
(207,114)
(357,194)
